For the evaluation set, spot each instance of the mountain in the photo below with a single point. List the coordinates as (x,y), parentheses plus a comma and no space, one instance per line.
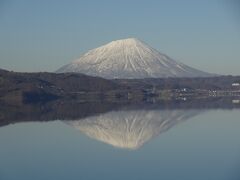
(130,129)
(129,59)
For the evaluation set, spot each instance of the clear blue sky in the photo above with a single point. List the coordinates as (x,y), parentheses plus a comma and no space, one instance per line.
(42,35)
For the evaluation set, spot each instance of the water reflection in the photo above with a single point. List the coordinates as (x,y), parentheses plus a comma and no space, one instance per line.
(56,150)
(121,124)
(70,110)
(130,129)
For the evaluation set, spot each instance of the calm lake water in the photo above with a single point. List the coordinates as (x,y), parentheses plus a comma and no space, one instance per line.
(127,143)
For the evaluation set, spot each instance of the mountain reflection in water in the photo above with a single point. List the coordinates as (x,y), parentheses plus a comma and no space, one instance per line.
(131,129)
(124,125)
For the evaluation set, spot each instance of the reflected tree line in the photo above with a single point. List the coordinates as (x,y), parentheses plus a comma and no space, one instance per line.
(71,110)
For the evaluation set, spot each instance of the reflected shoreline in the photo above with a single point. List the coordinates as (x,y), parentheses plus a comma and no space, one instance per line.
(72,110)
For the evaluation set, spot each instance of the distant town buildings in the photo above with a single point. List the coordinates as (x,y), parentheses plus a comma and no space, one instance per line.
(235,101)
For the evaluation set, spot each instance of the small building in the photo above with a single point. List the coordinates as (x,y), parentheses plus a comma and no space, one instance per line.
(235,84)
(235,101)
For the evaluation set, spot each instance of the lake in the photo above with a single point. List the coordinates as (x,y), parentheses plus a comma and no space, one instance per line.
(104,141)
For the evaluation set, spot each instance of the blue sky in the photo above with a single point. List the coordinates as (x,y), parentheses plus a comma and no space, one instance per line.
(44,35)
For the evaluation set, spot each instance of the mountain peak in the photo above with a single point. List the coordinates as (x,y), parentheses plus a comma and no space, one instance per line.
(127,41)
(129,58)
(121,43)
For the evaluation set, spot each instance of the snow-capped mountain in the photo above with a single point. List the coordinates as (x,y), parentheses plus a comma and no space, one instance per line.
(130,129)
(129,58)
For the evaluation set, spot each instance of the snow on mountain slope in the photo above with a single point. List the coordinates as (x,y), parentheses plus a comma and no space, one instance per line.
(131,129)
(129,58)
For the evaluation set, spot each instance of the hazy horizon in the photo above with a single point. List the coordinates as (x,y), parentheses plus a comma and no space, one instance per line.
(43,36)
